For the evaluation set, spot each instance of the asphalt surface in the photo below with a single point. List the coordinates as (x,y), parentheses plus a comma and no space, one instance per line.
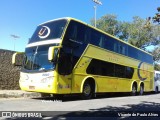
(118,107)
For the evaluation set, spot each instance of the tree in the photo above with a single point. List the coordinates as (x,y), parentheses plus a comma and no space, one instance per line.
(108,23)
(157,66)
(156,18)
(137,34)
(156,54)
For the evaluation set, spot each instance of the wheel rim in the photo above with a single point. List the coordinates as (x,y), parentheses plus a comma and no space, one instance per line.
(134,90)
(87,90)
(141,90)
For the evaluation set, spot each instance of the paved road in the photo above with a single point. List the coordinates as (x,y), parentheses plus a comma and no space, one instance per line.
(123,106)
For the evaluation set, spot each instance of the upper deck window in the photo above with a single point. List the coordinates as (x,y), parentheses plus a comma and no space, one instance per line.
(47,31)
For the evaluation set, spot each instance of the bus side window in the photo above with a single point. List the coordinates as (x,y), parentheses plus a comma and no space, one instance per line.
(109,69)
(87,35)
(122,49)
(65,62)
(129,72)
(116,47)
(101,42)
(109,43)
(94,67)
(81,32)
(95,37)
(120,71)
(73,32)
(76,32)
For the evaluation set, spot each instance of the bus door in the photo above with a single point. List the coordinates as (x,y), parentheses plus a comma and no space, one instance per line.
(74,45)
(65,66)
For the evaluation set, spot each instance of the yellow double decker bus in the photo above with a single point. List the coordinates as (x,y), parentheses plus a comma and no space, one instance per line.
(67,56)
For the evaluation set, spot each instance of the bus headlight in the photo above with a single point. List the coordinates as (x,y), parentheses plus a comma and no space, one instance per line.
(47,80)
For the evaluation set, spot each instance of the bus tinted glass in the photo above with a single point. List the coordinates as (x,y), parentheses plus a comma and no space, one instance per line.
(84,34)
(36,58)
(98,67)
(47,31)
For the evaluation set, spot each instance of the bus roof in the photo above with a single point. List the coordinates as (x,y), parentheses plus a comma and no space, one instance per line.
(67,18)
(70,18)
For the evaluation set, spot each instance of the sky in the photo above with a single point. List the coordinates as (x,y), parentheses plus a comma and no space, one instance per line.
(21,17)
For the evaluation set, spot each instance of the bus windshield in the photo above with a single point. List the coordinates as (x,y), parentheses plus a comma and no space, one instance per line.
(47,31)
(36,58)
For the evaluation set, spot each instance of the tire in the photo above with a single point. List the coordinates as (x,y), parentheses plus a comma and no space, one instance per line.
(87,91)
(141,90)
(58,96)
(134,90)
(45,95)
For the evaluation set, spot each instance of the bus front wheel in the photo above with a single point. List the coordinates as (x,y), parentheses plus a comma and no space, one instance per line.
(87,90)
(58,96)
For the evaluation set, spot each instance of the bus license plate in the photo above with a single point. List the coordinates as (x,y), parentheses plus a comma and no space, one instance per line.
(31,87)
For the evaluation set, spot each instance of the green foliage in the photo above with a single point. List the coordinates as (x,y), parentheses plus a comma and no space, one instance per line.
(157,67)
(137,34)
(108,23)
(156,18)
(156,54)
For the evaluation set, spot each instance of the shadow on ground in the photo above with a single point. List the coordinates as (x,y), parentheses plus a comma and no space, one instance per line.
(69,98)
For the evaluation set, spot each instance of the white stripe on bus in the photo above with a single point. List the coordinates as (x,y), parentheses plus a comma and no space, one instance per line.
(46,42)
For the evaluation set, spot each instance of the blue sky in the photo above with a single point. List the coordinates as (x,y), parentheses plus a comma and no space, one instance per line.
(20,17)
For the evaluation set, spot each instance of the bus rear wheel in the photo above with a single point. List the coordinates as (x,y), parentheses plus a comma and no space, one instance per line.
(87,91)
(141,90)
(134,90)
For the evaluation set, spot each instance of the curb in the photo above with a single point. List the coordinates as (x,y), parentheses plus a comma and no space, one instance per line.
(18,94)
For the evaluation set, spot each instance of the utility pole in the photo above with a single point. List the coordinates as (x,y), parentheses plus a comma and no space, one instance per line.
(14,38)
(97,2)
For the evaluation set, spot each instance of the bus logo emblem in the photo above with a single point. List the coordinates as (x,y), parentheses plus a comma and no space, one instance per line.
(44,32)
(139,75)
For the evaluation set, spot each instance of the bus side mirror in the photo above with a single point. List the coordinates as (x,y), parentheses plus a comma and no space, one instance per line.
(52,52)
(17,58)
